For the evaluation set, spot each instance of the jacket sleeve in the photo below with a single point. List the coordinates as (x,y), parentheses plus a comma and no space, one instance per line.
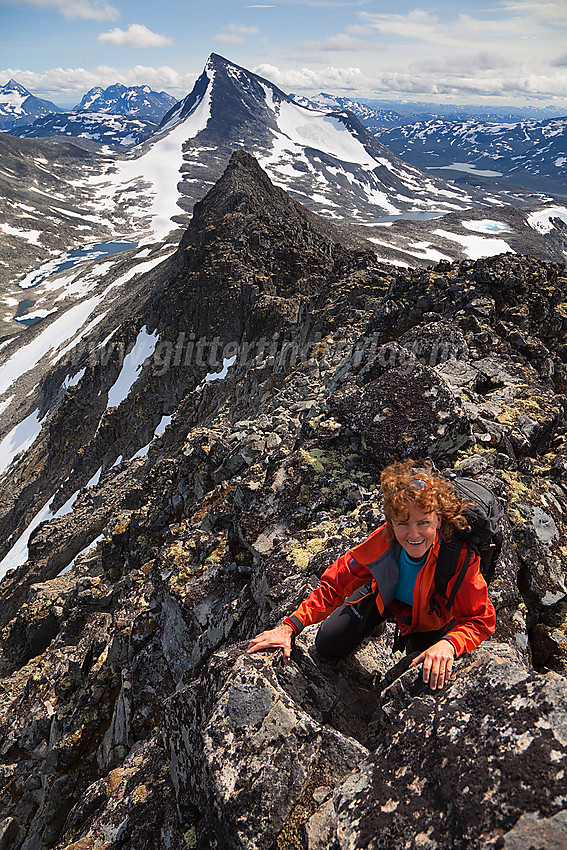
(342,578)
(475,617)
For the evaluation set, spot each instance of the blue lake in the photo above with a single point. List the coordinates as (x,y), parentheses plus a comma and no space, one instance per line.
(74,257)
(415,215)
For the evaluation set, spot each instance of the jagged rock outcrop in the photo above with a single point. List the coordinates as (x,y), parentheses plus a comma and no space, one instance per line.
(131,715)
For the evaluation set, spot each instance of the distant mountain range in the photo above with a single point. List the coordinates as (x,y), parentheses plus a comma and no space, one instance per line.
(453,143)
(138,101)
(325,158)
(117,116)
(18,106)
(531,153)
(372,118)
(100,128)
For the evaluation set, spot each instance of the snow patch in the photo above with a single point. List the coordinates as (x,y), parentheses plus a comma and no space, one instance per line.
(73,381)
(466,167)
(19,439)
(31,236)
(89,547)
(161,167)
(18,554)
(541,220)
(92,482)
(477,247)
(487,226)
(144,347)
(218,376)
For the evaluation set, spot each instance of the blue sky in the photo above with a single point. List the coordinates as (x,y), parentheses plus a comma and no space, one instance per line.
(493,52)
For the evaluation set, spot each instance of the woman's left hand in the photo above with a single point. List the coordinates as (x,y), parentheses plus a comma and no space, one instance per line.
(437,663)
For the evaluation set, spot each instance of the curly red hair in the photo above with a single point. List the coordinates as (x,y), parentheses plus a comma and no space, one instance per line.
(398,482)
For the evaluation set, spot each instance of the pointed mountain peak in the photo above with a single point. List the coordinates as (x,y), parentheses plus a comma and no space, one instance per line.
(14,85)
(245,209)
(238,92)
(243,187)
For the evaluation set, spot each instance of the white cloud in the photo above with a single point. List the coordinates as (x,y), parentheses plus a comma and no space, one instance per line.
(548,11)
(462,63)
(348,79)
(236,34)
(341,42)
(511,20)
(63,85)
(358,29)
(509,49)
(228,38)
(436,82)
(137,35)
(94,10)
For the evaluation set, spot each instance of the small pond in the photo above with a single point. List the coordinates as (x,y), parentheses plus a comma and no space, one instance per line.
(73,258)
(413,215)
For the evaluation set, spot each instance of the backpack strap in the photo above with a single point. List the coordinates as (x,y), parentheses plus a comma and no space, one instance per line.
(445,569)
(459,580)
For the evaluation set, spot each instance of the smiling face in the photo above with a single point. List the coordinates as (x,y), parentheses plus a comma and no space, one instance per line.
(416,531)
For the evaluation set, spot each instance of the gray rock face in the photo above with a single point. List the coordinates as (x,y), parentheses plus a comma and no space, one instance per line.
(274,754)
(457,769)
(407,406)
(130,714)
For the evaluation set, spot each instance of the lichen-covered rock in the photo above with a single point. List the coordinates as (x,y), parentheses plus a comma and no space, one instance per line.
(130,715)
(407,412)
(248,756)
(456,769)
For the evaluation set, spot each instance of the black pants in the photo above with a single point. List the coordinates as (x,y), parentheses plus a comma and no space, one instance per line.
(358,618)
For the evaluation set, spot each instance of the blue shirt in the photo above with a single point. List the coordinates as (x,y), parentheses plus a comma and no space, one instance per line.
(409,568)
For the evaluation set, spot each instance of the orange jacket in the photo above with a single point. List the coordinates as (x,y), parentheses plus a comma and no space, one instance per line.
(377,558)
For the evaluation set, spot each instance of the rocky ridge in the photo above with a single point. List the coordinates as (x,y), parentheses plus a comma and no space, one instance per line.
(131,716)
(98,131)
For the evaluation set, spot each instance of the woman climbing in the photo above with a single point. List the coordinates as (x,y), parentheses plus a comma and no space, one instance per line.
(392,575)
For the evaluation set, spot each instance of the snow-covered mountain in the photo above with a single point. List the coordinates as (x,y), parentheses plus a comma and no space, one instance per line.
(531,153)
(134,101)
(374,119)
(327,160)
(18,106)
(101,128)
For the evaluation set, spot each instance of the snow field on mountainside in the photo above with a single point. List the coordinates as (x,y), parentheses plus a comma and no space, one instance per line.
(321,132)
(18,554)
(427,252)
(73,380)
(12,102)
(477,247)
(299,128)
(35,316)
(542,219)
(161,167)
(31,236)
(61,330)
(19,439)
(144,347)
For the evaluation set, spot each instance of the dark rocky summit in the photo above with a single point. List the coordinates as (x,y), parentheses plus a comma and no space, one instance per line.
(131,716)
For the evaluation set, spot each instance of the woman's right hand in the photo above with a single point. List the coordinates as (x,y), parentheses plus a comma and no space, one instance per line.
(273,638)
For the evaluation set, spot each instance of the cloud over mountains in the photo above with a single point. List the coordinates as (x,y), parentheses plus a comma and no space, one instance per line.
(137,35)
